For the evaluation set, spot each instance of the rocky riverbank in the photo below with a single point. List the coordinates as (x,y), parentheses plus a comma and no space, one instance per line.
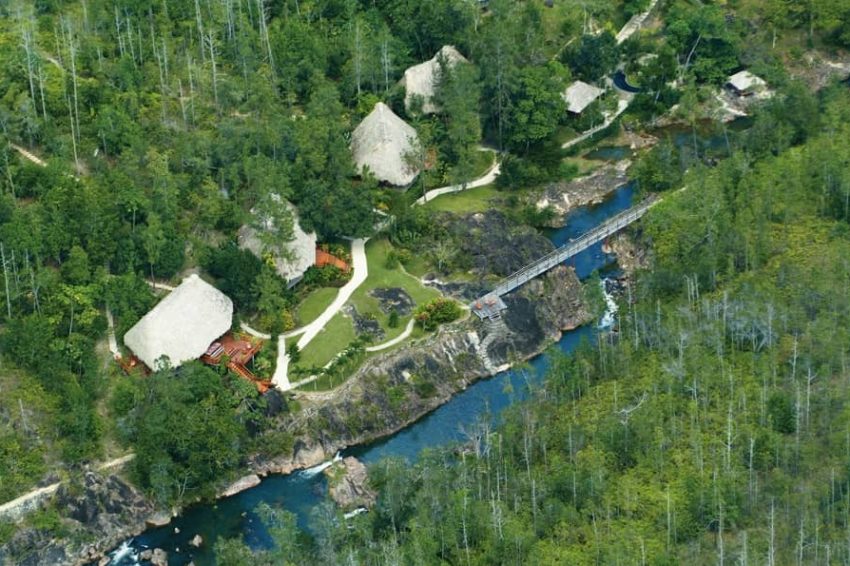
(385,395)
(391,391)
(563,197)
(99,511)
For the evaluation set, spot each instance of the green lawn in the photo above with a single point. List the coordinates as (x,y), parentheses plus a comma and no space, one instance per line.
(327,382)
(381,277)
(314,304)
(418,266)
(339,332)
(472,200)
(336,335)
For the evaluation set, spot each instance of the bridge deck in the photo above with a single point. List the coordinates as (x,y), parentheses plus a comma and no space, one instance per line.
(560,255)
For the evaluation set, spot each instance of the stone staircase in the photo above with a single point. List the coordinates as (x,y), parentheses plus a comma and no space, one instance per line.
(496,329)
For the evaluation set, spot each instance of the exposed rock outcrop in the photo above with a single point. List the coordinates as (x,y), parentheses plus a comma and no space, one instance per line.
(391,391)
(591,189)
(243,483)
(104,505)
(493,245)
(630,255)
(349,484)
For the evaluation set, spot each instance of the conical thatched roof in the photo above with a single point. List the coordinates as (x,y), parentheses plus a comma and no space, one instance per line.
(419,79)
(580,95)
(302,248)
(181,326)
(380,142)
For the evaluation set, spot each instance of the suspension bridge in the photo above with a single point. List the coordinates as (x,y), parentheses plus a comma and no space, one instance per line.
(491,305)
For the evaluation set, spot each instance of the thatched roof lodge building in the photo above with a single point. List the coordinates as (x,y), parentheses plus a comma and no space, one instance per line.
(381,142)
(744,83)
(419,79)
(182,326)
(580,95)
(302,248)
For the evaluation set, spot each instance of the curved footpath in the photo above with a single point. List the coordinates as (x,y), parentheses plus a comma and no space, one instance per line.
(408,330)
(486,179)
(622,104)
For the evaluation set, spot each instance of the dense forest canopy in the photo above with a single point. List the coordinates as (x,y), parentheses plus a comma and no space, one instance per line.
(138,136)
(712,428)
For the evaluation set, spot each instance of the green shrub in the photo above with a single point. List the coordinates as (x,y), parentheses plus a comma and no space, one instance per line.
(294,353)
(437,312)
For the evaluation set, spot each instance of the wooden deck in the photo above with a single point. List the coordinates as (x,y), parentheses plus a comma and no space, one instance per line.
(239,350)
(324,258)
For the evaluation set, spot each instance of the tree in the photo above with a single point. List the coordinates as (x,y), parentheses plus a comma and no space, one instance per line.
(170,423)
(457,94)
(593,57)
(236,271)
(535,105)
(76,268)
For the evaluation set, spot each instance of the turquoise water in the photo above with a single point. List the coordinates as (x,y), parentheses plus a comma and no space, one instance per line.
(303,491)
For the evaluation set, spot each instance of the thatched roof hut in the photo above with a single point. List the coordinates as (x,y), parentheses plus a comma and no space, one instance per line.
(745,83)
(580,95)
(301,250)
(181,326)
(419,79)
(380,142)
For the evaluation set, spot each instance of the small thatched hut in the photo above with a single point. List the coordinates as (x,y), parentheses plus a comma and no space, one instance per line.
(381,142)
(181,326)
(419,79)
(301,250)
(580,95)
(744,83)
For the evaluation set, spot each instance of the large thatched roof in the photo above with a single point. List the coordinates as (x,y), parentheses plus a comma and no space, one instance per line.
(301,249)
(419,79)
(183,325)
(580,95)
(381,142)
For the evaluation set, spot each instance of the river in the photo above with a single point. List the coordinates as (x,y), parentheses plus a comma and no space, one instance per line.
(301,491)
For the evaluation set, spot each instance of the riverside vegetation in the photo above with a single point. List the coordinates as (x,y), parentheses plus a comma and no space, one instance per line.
(714,427)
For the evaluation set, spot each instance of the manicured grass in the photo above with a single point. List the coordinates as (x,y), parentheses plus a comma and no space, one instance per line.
(418,266)
(472,200)
(315,303)
(382,277)
(327,382)
(336,336)
(339,332)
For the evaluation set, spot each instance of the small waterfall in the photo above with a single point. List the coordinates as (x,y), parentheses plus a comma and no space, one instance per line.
(124,554)
(610,315)
(315,470)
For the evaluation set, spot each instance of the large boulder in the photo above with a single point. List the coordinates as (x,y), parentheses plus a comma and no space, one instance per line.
(349,484)
(159,558)
(243,483)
